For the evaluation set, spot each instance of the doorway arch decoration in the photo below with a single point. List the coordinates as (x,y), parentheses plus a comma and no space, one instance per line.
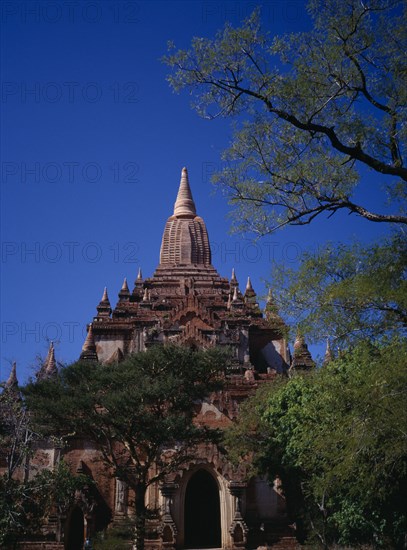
(227,501)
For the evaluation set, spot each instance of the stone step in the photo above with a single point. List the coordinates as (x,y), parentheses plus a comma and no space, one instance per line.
(40,545)
(284,543)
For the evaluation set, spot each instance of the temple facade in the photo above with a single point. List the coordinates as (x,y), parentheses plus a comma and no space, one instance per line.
(208,503)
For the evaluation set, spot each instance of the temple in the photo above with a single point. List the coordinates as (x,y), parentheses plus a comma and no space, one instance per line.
(208,503)
(187,302)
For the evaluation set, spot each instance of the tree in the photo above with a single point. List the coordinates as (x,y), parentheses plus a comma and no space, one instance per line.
(16,436)
(318,109)
(25,504)
(315,113)
(347,292)
(16,432)
(26,500)
(140,412)
(337,439)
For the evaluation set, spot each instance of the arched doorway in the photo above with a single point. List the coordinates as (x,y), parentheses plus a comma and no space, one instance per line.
(202,512)
(74,534)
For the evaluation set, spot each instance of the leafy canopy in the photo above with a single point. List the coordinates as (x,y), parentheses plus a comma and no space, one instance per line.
(139,412)
(338,436)
(25,505)
(347,292)
(317,107)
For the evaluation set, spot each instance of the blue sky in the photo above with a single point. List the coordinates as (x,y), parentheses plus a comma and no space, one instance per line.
(92,145)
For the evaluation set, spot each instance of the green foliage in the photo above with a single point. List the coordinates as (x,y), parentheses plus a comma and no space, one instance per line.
(347,292)
(60,486)
(337,438)
(115,538)
(317,106)
(145,403)
(139,413)
(24,505)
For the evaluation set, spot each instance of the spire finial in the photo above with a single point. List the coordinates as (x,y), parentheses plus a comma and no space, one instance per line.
(138,283)
(124,293)
(184,205)
(302,357)
(89,343)
(103,308)
(51,365)
(89,346)
(250,294)
(271,310)
(12,381)
(51,347)
(105,297)
(125,286)
(233,277)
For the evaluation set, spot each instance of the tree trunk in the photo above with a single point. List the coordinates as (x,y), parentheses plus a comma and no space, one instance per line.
(140,508)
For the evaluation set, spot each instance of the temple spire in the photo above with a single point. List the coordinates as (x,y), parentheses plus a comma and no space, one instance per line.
(11,387)
(89,347)
(302,360)
(237,299)
(184,205)
(271,311)
(125,287)
(328,353)
(49,367)
(185,239)
(105,297)
(138,284)
(250,294)
(104,309)
(124,294)
(51,347)
(234,283)
(12,381)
